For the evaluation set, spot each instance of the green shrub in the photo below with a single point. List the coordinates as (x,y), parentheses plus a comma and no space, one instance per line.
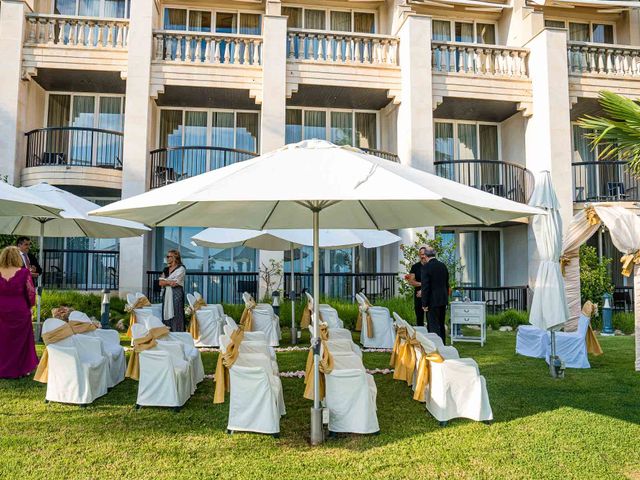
(88,303)
(624,322)
(595,280)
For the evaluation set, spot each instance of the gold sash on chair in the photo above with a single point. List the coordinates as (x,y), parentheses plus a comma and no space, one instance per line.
(225,362)
(593,346)
(406,361)
(246,320)
(54,336)
(194,326)
(139,345)
(369,321)
(424,372)
(401,335)
(326,367)
(81,327)
(159,332)
(305,321)
(141,302)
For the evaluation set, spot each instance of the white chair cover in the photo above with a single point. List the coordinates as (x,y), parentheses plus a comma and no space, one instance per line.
(264,320)
(111,348)
(165,376)
(532,341)
(571,347)
(78,372)
(383,332)
(209,323)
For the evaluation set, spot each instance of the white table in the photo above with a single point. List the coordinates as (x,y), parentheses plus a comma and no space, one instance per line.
(465,314)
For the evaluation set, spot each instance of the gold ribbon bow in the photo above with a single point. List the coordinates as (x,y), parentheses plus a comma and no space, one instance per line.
(590,309)
(592,216)
(401,336)
(159,332)
(246,320)
(326,367)
(54,336)
(225,362)
(305,321)
(564,261)
(194,326)
(81,327)
(403,357)
(369,320)
(424,372)
(139,345)
(141,302)
(359,319)
(628,261)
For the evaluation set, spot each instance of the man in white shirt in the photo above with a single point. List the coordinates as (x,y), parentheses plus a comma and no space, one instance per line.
(29,260)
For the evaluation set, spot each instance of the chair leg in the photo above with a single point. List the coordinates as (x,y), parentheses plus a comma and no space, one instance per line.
(276,435)
(176,409)
(46,401)
(488,422)
(229,432)
(444,424)
(83,405)
(138,407)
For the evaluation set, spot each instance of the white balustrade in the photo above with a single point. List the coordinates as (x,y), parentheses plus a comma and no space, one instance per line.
(208,48)
(603,59)
(342,48)
(479,59)
(73,31)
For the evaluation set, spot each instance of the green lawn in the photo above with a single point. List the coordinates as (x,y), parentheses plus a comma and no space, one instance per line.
(585,426)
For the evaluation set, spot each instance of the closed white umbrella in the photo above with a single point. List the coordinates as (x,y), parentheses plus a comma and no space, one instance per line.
(549,309)
(281,240)
(72,221)
(293,187)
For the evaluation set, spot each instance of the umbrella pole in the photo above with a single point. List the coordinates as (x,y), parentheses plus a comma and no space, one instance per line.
(316,411)
(294,330)
(39,291)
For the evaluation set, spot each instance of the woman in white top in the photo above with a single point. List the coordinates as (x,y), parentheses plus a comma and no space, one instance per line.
(172,283)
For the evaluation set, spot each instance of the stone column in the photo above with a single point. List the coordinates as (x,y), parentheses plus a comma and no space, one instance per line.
(12,92)
(134,252)
(548,130)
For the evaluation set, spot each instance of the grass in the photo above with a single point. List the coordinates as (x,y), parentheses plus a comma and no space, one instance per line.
(585,426)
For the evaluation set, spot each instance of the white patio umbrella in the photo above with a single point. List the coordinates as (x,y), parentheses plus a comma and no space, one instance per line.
(281,240)
(73,221)
(293,187)
(549,309)
(16,202)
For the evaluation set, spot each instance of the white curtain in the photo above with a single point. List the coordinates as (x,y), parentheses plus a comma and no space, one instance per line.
(250,24)
(247,131)
(222,135)
(293,127)
(340,21)
(341,128)
(366,131)
(441,31)
(364,22)
(314,19)
(315,123)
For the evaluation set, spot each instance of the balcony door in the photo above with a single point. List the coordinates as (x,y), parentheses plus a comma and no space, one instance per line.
(342,127)
(480,256)
(92,8)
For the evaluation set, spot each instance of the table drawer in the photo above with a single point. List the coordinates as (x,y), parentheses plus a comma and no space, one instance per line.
(471,310)
(467,319)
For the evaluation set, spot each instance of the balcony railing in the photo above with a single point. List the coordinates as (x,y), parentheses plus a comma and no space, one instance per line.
(498,299)
(80,269)
(346,285)
(623,299)
(221,287)
(80,32)
(342,47)
(172,164)
(479,59)
(74,146)
(604,181)
(382,154)
(603,59)
(504,179)
(208,48)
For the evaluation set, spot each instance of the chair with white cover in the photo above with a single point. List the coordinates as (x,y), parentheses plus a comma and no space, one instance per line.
(335,325)
(231,325)
(532,341)
(264,319)
(571,347)
(77,372)
(209,322)
(192,354)
(111,348)
(256,400)
(383,334)
(165,376)
(447,351)
(330,315)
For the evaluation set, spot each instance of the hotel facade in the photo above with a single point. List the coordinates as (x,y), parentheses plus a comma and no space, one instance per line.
(111,98)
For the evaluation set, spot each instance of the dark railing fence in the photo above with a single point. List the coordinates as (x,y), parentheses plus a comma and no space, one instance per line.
(74,146)
(215,287)
(498,299)
(80,269)
(623,299)
(604,181)
(504,179)
(345,285)
(173,164)
(382,154)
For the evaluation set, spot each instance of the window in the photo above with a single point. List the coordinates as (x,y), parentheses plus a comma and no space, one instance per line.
(480,256)
(554,23)
(334,20)
(585,32)
(342,127)
(465,32)
(93,8)
(473,141)
(602,33)
(225,22)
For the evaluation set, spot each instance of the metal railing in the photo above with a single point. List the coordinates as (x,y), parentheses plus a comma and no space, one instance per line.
(74,146)
(603,59)
(75,31)
(382,154)
(323,46)
(479,59)
(215,287)
(346,285)
(172,164)
(623,299)
(498,299)
(604,181)
(70,269)
(504,179)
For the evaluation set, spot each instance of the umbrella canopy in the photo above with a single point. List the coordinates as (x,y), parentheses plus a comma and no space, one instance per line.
(73,221)
(280,240)
(549,306)
(17,202)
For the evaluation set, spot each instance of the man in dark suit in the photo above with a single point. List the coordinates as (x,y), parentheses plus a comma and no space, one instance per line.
(434,281)
(29,260)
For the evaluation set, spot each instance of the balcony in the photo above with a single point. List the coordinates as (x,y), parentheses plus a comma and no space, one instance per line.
(88,270)
(89,157)
(76,43)
(595,66)
(604,181)
(473,70)
(504,179)
(392,157)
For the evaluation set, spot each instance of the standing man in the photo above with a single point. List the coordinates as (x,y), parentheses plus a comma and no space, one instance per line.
(435,292)
(29,260)
(414,280)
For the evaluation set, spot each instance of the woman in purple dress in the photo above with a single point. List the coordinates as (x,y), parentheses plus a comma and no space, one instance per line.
(17,295)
